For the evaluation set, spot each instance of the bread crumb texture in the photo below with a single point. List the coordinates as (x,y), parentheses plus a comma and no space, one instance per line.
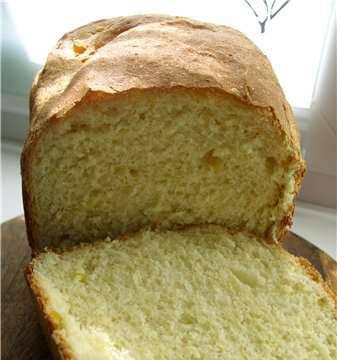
(162,159)
(194,294)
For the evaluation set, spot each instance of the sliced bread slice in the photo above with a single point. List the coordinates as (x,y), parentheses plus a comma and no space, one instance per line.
(198,293)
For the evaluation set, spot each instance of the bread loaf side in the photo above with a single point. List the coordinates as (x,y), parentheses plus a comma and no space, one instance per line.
(162,122)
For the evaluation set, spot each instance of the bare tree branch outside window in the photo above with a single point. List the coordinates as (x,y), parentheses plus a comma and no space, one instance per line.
(270,11)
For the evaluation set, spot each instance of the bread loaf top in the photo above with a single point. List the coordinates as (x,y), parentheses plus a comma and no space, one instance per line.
(114,56)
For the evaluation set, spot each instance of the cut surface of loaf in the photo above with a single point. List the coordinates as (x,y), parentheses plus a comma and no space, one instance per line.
(157,121)
(198,293)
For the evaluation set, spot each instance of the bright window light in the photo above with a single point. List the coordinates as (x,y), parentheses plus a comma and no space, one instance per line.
(293,38)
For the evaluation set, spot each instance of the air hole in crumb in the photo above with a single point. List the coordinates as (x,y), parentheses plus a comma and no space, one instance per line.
(56,318)
(322,301)
(213,161)
(271,164)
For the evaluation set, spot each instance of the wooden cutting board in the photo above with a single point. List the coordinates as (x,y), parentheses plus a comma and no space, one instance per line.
(21,336)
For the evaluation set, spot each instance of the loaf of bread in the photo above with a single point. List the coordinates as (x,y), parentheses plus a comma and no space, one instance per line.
(198,293)
(159,122)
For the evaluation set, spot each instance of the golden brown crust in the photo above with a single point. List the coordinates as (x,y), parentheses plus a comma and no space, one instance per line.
(142,52)
(111,58)
(57,343)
